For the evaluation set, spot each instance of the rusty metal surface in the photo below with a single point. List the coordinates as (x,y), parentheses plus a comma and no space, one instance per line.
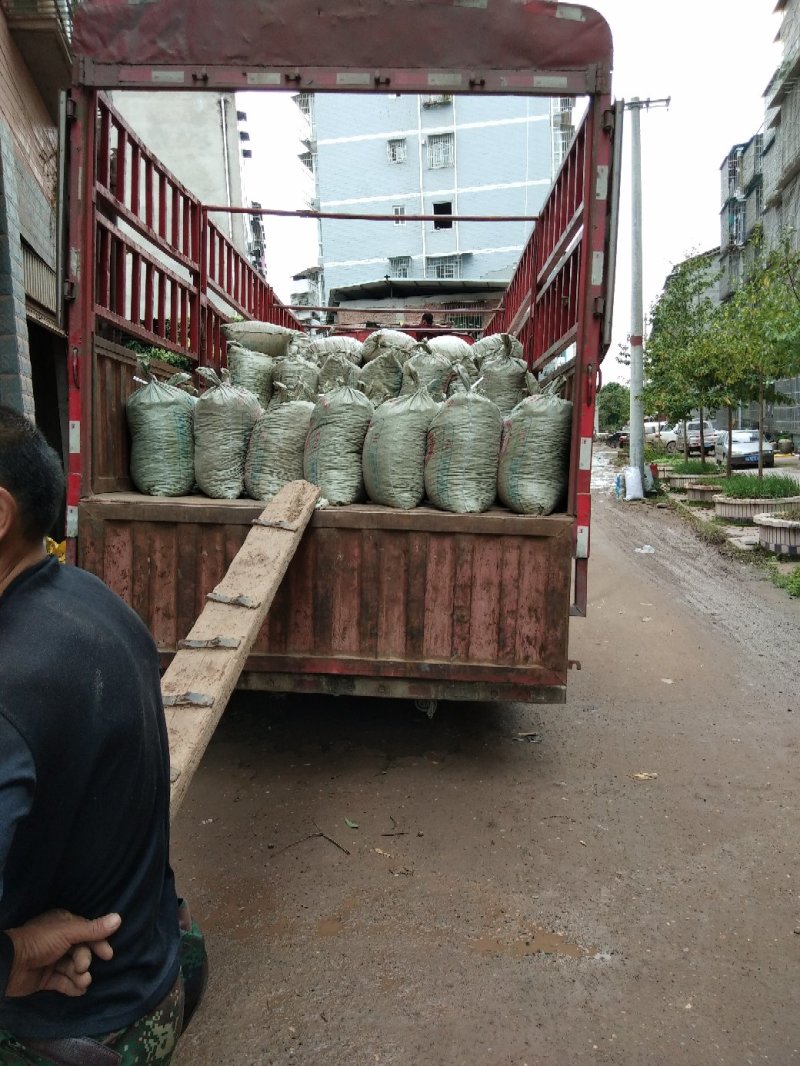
(382,41)
(399,605)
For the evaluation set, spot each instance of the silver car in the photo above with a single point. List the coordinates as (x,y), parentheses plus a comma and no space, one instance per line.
(744,449)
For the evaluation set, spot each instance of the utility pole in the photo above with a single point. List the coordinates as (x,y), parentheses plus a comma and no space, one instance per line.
(636,459)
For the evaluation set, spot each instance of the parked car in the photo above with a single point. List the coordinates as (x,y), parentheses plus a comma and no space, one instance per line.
(614,438)
(693,436)
(744,450)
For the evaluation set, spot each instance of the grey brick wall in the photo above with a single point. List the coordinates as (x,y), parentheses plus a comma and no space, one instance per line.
(37,216)
(16,386)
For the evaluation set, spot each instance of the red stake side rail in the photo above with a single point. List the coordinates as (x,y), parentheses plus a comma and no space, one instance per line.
(146,262)
(559,300)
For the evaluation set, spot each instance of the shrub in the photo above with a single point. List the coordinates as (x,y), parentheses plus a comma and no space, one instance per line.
(691,466)
(790,582)
(745,487)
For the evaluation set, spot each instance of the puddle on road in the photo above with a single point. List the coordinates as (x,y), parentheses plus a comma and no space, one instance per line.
(604,472)
(538,941)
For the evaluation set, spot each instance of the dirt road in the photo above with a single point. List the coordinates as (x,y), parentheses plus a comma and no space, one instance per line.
(513,894)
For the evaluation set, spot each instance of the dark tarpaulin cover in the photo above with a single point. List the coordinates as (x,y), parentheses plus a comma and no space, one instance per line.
(438,34)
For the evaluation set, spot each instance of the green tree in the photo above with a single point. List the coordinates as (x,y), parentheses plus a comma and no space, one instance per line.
(681,367)
(613,404)
(757,333)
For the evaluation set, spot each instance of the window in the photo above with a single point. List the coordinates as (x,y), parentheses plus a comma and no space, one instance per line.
(437,100)
(441,150)
(396,150)
(307,159)
(443,208)
(399,213)
(442,267)
(400,266)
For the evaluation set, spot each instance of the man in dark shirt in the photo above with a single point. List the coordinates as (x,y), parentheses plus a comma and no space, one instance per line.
(84,797)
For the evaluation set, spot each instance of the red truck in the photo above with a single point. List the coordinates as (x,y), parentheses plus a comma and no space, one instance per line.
(419,604)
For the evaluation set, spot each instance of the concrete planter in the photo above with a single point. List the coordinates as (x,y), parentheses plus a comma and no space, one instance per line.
(682,481)
(778,534)
(701,493)
(746,510)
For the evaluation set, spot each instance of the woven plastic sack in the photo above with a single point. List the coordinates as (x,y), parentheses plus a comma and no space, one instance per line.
(453,348)
(432,370)
(322,347)
(381,378)
(264,337)
(457,383)
(504,380)
(393,458)
(275,453)
(496,344)
(251,370)
(338,370)
(224,417)
(299,376)
(463,451)
(387,340)
(534,460)
(183,381)
(162,445)
(462,454)
(301,345)
(332,457)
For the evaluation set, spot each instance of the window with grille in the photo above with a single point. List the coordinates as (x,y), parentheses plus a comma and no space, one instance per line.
(304,103)
(443,208)
(397,150)
(307,159)
(442,267)
(399,213)
(441,150)
(400,266)
(464,321)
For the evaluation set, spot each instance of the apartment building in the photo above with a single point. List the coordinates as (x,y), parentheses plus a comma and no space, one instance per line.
(760,189)
(438,154)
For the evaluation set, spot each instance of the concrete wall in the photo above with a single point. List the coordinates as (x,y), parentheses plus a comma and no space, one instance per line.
(186,132)
(502,164)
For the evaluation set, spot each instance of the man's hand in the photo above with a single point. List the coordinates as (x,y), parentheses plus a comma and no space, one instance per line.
(53,952)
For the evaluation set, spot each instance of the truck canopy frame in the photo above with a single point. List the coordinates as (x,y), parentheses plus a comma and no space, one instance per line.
(558,302)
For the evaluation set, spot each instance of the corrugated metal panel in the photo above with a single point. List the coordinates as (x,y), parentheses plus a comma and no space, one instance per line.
(41,283)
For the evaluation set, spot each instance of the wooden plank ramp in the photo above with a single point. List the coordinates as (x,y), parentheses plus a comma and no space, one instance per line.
(200,679)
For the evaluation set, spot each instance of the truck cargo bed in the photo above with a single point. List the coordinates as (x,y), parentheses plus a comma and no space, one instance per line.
(420,604)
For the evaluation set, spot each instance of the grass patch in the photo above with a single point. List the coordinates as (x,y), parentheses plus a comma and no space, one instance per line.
(691,466)
(789,581)
(744,487)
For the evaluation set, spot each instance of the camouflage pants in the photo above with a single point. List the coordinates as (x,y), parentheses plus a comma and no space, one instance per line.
(149,1041)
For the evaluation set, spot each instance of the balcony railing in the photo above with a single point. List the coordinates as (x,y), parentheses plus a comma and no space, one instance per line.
(29,10)
(42,30)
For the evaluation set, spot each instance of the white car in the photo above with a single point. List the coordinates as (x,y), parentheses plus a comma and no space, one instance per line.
(744,450)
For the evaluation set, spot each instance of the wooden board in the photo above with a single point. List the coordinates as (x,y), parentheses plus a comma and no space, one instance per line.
(200,679)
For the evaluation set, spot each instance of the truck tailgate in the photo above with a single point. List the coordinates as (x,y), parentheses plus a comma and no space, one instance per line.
(418,604)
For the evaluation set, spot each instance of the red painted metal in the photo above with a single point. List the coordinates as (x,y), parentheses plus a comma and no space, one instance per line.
(406,45)
(360,217)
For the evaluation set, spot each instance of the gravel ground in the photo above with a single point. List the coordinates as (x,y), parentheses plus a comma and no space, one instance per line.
(513,893)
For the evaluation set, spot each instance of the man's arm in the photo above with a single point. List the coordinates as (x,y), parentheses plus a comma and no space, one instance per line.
(17,788)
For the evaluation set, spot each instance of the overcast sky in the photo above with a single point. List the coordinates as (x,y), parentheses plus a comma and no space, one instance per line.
(714,59)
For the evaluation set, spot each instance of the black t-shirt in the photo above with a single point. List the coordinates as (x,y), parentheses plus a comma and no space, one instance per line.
(79,681)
